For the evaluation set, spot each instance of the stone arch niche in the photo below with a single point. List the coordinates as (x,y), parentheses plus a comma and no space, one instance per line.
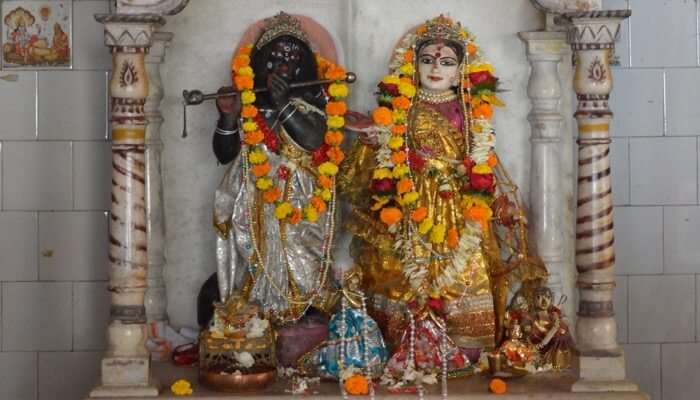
(161,239)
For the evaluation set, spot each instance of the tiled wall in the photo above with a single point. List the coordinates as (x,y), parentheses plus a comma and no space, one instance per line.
(657,217)
(54,196)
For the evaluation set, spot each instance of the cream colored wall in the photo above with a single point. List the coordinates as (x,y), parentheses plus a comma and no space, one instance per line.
(206,33)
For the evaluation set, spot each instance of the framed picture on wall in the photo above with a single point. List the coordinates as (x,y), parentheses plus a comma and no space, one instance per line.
(36,34)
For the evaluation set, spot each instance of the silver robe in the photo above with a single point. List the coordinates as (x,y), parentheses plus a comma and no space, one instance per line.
(290,252)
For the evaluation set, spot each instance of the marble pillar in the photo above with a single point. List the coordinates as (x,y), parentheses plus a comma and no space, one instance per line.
(155,300)
(126,363)
(544,52)
(601,364)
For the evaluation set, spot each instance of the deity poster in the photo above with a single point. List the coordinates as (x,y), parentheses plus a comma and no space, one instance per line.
(36,34)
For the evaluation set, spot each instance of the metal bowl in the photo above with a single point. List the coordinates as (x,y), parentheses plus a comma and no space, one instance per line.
(237,383)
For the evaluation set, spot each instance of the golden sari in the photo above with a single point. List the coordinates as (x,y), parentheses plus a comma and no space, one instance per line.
(469,302)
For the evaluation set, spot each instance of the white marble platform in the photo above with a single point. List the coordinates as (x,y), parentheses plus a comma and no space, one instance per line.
(550,386)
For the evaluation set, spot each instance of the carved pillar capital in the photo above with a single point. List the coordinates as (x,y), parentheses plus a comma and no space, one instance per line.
(128,32)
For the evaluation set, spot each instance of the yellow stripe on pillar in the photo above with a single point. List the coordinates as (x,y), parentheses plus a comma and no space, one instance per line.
(594,128)
(129,134)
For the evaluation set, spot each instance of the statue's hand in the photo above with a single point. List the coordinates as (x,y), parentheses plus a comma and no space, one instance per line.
(279,90)
(228,106)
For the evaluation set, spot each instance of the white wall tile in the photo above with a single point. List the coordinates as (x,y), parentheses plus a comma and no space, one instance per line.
(92,175)
(663,33)
(638,240)
(18,376)
(663,171)
(637,101)
(644,367)
(18,246)
(620,305)
(73,246)
(681,232)
(68,375)
(662,309)
(680,363)
(37,176)
(91,303)
(72,105)
(683,118)
(89,50)
(620,162)
(36,316)
(18,110)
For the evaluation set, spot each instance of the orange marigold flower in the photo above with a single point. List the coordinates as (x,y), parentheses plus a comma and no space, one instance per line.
(421,29)
(477,213)
(399,129)
(357,385)
(419,214)
(382,116)
(401,102)
(333,138)
(335,154)
(404,185)
(452,238)
(398,157)
(336,73)
(483,111)
(471,49)
(319,204)
(466,83)
(498,386)
(249,111)
(406,80)
(408,56)
(243,82)
(325,182)
(295,218)
(240,61)
(245,50)
(336,108)
(492,161)
(390,215)
(271,195)
(261,170)
(253,138)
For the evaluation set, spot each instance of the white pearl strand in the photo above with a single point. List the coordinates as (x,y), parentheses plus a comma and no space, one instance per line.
(341,360)
(412,354)
(365,354)
(443,359)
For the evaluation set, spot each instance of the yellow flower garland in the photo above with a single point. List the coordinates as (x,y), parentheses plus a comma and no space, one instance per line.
(243,74)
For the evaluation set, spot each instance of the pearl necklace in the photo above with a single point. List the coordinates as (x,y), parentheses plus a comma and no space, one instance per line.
(436,98)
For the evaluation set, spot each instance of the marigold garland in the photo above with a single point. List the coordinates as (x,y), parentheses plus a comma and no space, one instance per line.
(396,161)
(257,134)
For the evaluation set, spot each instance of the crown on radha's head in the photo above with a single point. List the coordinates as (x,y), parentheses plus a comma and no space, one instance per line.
(281,24)
(441,28)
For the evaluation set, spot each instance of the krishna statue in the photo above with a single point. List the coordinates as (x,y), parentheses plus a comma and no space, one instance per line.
(275,207)
(436,221)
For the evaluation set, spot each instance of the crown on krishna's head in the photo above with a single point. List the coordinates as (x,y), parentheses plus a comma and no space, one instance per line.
(281,24)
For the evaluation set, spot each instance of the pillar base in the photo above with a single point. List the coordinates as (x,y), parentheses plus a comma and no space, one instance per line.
(126,377)
(602,374)
(102,391)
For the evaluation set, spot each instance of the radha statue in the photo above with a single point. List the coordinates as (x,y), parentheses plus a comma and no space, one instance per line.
(428,199)
(275,207)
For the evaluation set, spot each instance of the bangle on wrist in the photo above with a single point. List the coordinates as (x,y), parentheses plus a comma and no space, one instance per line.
(225,132)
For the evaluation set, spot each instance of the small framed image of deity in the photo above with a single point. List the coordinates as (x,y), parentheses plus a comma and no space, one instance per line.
(36,34)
